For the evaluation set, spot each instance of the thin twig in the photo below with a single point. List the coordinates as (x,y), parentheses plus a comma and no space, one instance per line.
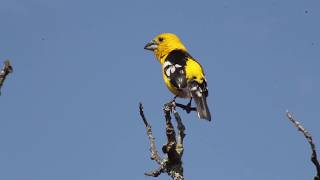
(153,148)
(7,68)
(308,136)
(156,172)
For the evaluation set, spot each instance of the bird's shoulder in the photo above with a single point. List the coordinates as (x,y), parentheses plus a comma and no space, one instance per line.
(178,57)
(175,63)
(183,58)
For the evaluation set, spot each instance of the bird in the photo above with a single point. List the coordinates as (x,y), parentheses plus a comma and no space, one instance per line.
(182,74)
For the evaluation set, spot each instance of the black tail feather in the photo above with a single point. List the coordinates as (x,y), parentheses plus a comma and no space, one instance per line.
(202,108)
(200,97)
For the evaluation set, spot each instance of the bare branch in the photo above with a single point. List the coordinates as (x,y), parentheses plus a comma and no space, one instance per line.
(308,136)
(153,148)
(156,172)
(7,68)
(180,127)
(172,164)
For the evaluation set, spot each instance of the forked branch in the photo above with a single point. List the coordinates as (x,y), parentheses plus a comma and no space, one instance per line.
(172,163)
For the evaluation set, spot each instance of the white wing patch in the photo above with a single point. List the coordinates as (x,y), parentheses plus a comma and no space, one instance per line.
(166,64)
(170,68)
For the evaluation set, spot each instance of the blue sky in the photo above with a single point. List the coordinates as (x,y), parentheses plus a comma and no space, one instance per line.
(70,110)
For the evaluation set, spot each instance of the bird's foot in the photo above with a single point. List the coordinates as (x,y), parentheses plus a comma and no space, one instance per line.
(187,107)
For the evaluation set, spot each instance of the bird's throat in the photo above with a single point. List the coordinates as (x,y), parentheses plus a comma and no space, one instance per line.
(161,55)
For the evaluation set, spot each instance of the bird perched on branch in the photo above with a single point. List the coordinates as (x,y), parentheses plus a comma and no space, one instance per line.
(182,74)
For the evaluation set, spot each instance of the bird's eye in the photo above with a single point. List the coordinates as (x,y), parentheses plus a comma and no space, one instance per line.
(160,39)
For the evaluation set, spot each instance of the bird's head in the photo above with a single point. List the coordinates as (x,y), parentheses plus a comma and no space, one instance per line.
(163,44)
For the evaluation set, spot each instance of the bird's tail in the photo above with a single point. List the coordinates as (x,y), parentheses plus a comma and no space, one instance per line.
(199,95)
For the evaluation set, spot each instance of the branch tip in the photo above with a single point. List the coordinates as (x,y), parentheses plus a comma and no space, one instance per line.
(307,135)
(7,69)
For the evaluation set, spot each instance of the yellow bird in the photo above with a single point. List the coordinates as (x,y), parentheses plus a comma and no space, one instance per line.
(182,74)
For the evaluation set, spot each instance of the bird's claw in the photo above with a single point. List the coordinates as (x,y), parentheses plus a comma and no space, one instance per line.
(187,107)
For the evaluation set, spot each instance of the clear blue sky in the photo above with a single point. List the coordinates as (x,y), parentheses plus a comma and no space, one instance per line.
(70,110)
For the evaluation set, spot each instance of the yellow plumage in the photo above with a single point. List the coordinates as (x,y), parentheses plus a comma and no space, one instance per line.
(194,69)
(182,74)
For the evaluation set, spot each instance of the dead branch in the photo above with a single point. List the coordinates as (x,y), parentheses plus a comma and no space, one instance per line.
(7,68)
(172,163)
(153,148)
(308,136)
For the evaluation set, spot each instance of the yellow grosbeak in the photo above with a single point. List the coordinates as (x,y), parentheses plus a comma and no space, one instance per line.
(182,74)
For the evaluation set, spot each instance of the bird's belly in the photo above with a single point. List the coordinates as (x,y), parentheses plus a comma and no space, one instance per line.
(184,93)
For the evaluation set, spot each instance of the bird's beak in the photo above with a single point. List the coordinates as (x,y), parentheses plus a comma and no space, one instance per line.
(151,46)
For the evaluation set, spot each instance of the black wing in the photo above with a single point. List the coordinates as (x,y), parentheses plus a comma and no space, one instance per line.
(174,68)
